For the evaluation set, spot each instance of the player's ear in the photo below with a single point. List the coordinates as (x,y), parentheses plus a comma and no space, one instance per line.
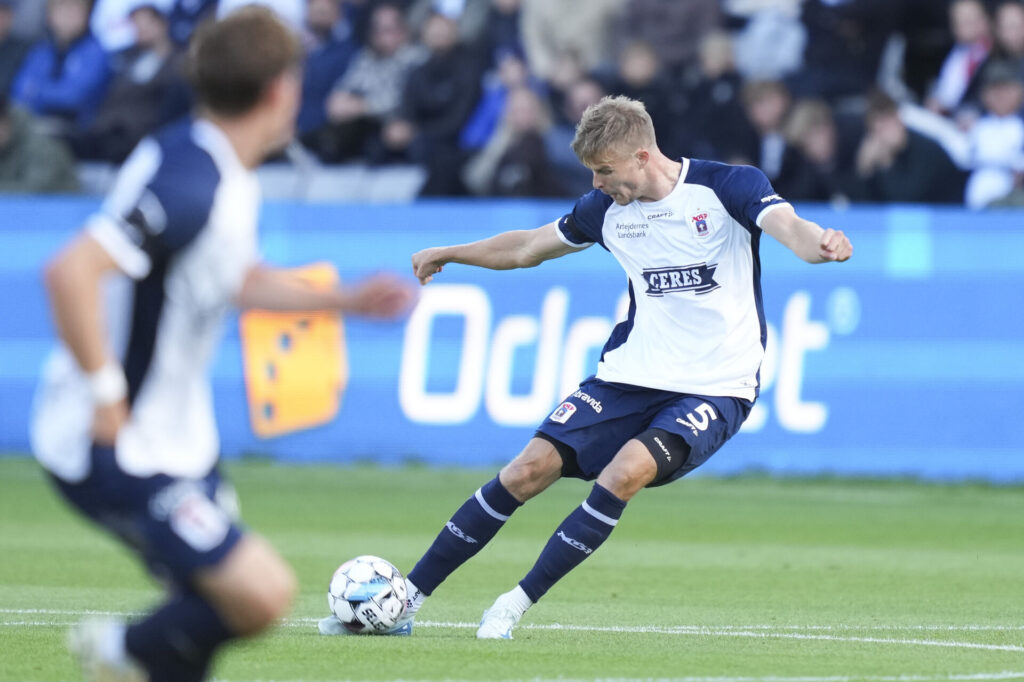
(642,156)
(283,86)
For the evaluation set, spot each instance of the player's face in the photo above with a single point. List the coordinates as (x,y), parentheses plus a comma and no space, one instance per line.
(619,175)
(281,105)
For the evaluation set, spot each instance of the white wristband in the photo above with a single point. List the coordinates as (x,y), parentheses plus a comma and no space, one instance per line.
(108,384)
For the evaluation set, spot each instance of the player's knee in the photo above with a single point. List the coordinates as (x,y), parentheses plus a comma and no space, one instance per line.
(629,472)
(668,451)
(252,588)
(267,599)
(530,473)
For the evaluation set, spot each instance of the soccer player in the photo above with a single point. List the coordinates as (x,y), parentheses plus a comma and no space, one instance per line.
(125,423)
(676,378)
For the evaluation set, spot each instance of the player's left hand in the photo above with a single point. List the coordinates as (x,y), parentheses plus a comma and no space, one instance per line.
(108,420)
(835,246)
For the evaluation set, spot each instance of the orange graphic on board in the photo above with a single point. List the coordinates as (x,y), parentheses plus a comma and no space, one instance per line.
(296,364)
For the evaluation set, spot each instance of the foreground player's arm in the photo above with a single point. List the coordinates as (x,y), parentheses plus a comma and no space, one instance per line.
(270,288)
(73,279)
(505,251)
(806,239)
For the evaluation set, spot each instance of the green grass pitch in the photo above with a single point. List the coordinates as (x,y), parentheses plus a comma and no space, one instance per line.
(718,580)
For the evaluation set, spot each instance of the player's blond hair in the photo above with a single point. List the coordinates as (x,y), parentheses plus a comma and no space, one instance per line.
(615,124)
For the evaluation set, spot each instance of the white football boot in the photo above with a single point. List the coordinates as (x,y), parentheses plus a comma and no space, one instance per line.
(99,646)
(403,628)
(498,621)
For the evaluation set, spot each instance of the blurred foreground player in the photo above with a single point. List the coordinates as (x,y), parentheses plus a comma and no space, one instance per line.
(677,377)
(124,422)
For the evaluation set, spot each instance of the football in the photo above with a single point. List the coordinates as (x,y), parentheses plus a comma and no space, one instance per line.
(367,594)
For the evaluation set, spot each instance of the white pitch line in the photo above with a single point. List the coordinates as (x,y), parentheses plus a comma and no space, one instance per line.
(971,677)
(838,627)
(762,632)
(717,632)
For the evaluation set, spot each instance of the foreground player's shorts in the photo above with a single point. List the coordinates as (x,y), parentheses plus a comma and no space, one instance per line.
(593,424)
(177,525)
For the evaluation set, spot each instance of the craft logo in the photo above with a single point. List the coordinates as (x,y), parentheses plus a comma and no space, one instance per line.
(699,278)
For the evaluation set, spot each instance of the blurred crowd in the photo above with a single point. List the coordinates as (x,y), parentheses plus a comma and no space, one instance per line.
(836,100)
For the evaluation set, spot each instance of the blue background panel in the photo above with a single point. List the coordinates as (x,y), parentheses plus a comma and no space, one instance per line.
(907,360)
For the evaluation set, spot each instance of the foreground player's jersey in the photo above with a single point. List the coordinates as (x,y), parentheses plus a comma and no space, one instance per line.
(695,322)
(180,222)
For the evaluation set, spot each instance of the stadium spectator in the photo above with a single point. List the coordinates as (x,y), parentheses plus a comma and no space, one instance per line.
(552,28)
(111,24)
(470,16)
(32,162)
(970,25)
(567,72)
(713,110)
(12,47)
(330,46)
(895,164)
(1010,34)
(641,75)
(64,76)
(438,98)
(763,144)
(515,162)
(996,141)
(293,12)
(131,444)
(674,30)
(845,40)
(817,173)
(148,90)
(575,177)
(676,379)
(30,19)
(501,34)
(510,73)
(187,15)
(772,41)
(371,90)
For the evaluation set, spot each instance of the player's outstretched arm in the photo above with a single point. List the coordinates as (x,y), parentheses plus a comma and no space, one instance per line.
(505,251)
(382,295)
(806,239)
(73,280)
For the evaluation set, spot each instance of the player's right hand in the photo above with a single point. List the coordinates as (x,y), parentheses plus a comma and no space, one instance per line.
(427,263)
(382,295)
(107,421)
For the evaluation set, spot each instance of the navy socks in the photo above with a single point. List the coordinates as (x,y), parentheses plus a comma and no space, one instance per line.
(176,643)
(470,528)
(580,534)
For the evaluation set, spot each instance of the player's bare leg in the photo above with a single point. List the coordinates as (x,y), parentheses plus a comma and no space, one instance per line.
(579,535)
(532,471)
(251,589)
(631,469)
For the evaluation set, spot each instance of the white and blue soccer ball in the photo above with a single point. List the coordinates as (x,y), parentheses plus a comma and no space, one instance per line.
(367,594)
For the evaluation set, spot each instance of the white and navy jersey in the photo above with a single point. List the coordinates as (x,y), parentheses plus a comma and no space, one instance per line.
(180,222)
(695,322)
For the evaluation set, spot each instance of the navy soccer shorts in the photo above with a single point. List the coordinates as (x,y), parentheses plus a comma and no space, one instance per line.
(176,525)
(593,424)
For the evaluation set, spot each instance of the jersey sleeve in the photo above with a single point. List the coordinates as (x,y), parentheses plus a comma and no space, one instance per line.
(584,225)
(159,204)
(748,195)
